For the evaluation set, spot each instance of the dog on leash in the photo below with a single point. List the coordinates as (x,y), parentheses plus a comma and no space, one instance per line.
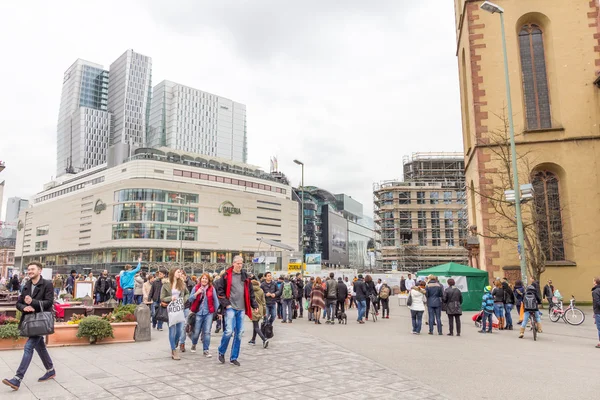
(341,316)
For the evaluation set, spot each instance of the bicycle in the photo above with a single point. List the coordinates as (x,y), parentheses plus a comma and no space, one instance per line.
(373,308)
(571,315)
(534,326)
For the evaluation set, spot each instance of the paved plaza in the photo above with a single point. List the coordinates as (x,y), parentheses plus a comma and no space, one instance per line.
(304,361)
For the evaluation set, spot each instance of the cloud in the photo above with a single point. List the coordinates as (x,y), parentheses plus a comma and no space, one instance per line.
(348,87)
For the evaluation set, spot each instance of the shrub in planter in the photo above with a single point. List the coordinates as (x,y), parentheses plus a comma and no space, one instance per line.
(129,308)
(9,331)
(123,316)
(75,319)
(4,320)
(94,328)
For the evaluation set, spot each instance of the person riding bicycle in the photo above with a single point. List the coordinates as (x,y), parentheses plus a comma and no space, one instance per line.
(531,302)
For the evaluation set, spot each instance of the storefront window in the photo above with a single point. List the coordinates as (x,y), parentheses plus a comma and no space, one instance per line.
(157,255)
(171,255)
(153,212)
(152,231)
(205,256)
(188,255)
(157,195)
(221,257)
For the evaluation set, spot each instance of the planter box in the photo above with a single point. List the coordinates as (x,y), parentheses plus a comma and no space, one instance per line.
(66,335)
(11,344)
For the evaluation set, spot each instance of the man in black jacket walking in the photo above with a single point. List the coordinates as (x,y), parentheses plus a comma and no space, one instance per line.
(154,295)
(342,295)
(596,305)
(300,292)
(37,296)
(103,287)
(360,289)
(270,288)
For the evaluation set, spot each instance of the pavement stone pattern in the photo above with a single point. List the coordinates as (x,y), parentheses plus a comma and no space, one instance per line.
(294,366)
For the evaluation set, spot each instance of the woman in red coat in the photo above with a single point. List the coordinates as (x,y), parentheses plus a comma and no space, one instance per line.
(119,291)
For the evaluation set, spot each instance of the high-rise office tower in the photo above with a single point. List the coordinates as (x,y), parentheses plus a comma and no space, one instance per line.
(83,122)
(14,206)
(191,120)
(129,93)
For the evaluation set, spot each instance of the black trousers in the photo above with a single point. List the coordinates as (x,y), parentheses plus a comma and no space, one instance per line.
(256,331)
(451,319)
(300,307)
(385,306)
(340,306)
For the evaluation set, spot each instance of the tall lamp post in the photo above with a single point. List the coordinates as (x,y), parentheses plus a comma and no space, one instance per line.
(494,8)
(301,164)
(181,231)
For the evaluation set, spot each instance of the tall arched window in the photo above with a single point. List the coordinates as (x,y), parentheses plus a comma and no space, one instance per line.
(548,215)
(535,81)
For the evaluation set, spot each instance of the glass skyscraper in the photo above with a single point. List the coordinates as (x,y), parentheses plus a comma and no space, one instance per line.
(83,120)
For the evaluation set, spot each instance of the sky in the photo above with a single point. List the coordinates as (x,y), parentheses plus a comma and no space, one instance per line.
(348,87)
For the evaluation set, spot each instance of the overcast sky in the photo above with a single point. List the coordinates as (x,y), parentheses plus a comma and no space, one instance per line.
(348,87)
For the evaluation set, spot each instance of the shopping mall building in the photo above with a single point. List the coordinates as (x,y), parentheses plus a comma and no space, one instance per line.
(170,206)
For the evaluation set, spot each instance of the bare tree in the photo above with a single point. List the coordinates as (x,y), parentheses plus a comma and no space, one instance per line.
(539,242)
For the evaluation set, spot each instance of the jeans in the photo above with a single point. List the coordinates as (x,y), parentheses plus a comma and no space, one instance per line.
(56,292)
(340,306)
(271,313)
(451,319)
(538,318)
(487,317)
(183,336)
(287,309)
(203,325)
(234,325)
(597,318)
(300,308)
(175,333)
(499,310)
(435,315)
(256,331)
(362,305)
(417,320)
(127,296)
(155,322)
(385,306)
(330,306)
(508,309)
(34,343)
(138,298)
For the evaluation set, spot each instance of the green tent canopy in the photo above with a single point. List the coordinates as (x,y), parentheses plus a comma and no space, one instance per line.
(476,280)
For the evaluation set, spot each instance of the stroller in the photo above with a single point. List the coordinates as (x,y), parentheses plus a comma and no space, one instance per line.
(479,316)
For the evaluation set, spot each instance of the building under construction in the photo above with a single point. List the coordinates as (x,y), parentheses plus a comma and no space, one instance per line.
(421,221)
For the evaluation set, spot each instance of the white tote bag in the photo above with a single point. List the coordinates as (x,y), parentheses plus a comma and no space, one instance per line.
(175,309)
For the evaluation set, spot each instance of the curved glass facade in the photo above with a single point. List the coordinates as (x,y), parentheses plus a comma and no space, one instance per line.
(154,212)
(157,195)
(153,231)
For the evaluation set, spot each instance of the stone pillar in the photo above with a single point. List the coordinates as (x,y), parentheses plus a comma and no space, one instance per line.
(144,320)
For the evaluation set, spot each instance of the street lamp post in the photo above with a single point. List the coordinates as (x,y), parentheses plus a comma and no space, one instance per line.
(493,8)
(301,164)
(181,231)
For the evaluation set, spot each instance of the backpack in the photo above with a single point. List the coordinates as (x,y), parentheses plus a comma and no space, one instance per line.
(384,293)
(288,293)
(331,289)
(530,301)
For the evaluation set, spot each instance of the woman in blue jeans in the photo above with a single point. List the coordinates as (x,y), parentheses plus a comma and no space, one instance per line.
(172,290)
(204,303)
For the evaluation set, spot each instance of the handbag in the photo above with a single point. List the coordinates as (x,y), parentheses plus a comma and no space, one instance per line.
(162,314)
(37,324)
(409,300)
(175,309)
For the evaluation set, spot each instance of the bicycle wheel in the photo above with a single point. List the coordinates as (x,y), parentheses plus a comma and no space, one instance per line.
(574,316)
(555,316)
(534,330)
(374,315)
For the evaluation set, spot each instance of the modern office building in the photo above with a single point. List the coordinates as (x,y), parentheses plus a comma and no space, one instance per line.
(194,121)
(129,97)
(170,206)
(14,206)
(421,222)
(332,228)
(83,122)
(556,115)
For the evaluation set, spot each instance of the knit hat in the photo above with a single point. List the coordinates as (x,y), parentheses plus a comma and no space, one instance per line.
(487,288)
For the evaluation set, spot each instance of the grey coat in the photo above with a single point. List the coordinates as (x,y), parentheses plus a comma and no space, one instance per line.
(453,300)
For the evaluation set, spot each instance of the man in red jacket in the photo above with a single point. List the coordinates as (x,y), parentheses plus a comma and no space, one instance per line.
(237,296)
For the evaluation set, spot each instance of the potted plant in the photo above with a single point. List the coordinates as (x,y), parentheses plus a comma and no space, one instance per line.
(9,334)
(94,328)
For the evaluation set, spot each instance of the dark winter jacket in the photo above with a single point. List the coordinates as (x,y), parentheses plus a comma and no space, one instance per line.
(300,288)
(371,290)
(43,297)
(360,288)
(596,300)
(434,293)
(342,291)
(154,294)
(331,291)
(453,300)
(519,292)
(548,292)
(224,290)
(308,289)
(498,294)
(509,296)
(269,288)
(103,285)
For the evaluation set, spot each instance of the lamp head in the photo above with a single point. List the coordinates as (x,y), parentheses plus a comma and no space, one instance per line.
(491,7)
(298,162)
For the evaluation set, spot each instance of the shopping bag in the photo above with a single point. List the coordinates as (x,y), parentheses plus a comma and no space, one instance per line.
(495,322)
(175,309)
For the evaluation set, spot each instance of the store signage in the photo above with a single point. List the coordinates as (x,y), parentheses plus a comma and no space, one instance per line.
(99,206)
(294,267)
(227,209)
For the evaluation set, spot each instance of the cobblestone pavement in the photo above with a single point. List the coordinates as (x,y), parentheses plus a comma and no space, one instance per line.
(296,365)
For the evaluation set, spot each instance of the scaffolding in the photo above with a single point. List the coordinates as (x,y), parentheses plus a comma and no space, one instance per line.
(406,231)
